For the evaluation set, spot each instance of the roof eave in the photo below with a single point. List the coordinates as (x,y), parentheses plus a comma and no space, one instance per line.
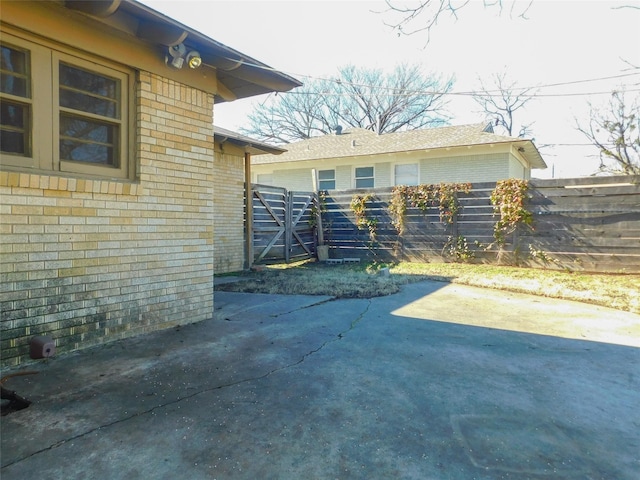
(238,75)
(250,145)
(529,150)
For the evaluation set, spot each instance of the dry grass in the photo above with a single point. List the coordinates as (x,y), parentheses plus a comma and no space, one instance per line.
(621,292)
(308,278)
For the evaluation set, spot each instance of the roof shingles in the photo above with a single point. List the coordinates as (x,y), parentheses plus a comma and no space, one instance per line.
(357,142)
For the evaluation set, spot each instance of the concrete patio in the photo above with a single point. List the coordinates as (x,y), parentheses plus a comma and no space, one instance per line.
(439,381)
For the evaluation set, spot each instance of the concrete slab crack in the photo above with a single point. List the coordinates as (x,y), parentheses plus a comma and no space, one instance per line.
(337,337)
(303,307)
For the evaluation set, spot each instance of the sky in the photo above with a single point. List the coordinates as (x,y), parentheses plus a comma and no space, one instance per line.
(559,42)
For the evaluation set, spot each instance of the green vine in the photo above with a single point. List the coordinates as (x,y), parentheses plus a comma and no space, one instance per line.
(541,255)
(458,247)
(447,196)
(318,208)
(508,200)
(363,221)
(443,195)
(398,207)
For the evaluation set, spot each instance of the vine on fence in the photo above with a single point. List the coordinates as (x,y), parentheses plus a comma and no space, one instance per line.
(318,208)
(508,200)
(443,195)
(458,248)
(363,221)
(398,207)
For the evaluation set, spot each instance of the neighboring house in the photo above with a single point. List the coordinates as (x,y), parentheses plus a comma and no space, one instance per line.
(360,158)
(110,181)
(233,153)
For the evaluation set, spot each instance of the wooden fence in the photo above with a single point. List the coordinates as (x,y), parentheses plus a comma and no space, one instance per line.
(583,224)
(282,224)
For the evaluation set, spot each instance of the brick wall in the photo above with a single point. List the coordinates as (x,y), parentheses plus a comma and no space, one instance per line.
(228,218)
(90,261)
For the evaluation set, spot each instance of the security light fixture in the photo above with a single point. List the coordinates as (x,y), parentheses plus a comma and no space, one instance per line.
(193,59)
(177,55)
(175,58)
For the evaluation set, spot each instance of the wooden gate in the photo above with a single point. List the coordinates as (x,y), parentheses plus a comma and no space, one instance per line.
(283,224)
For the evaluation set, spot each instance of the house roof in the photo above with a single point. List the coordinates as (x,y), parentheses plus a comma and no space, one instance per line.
(254,147)
(238,75)
(359,142)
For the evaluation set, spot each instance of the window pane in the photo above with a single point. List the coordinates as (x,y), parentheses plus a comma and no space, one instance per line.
(83,140)
(14,71)
(326,174)
(13,142)
(14,125)
(364,182)
(13,114)
(327,185)
(13,85)
(88,92)
(364,172)
(14,60)
(87,103)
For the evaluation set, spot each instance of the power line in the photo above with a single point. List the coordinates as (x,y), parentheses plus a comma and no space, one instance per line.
(542,145)
(573,82)
(460,94)
(487,93)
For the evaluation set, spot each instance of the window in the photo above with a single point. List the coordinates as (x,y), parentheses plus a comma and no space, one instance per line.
(364,177)
(406,174)
(15,110)
(326,180)
(88,106)
(63,113)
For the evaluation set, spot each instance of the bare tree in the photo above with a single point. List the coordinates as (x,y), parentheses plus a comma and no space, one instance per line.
(615,131)
(412,17)
(404,99)
(502,99)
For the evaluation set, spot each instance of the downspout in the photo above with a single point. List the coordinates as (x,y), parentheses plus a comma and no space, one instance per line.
(248,254)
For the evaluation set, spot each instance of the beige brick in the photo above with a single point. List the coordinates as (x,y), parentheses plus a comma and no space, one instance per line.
(57,211)
(13,179)
(26,210)
(83,212)
(71,272)
(57,193)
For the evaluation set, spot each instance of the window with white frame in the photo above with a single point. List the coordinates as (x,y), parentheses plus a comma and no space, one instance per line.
(364,177)
(63,113)
(406,174)
(326,179)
